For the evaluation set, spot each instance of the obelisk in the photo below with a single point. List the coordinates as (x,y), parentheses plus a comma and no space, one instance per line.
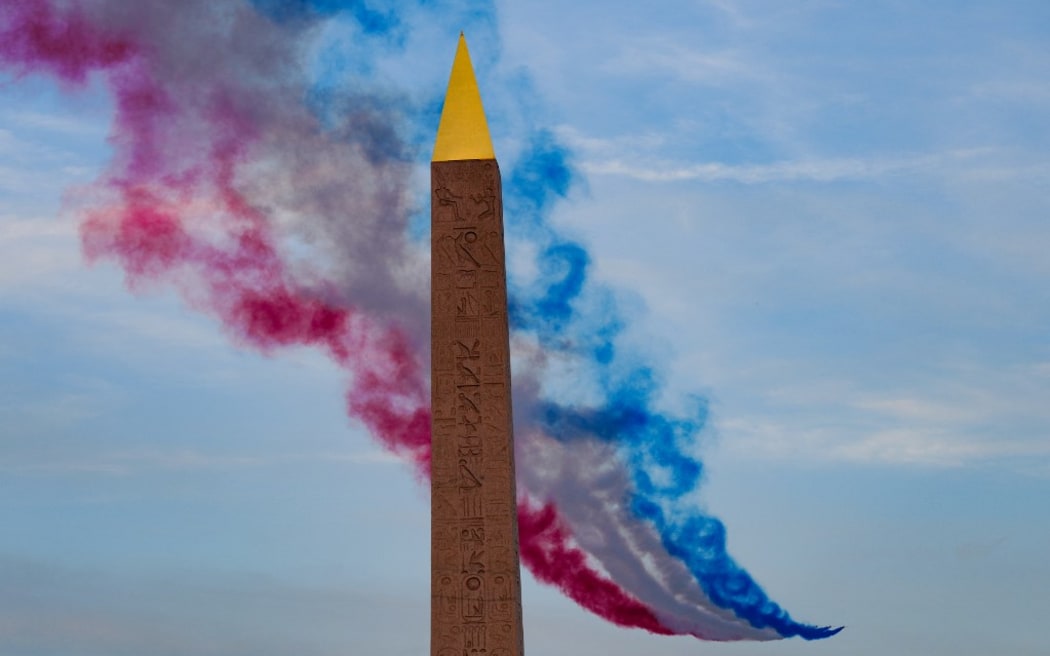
(475,576)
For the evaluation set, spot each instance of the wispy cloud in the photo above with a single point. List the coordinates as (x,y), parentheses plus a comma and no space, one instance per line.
(780,438)
(825,170)
(655,57)
(934,449)
(732,10)
(37,249)
(947,428)
(632,157)
(55,123)
(58,409)
(144,462)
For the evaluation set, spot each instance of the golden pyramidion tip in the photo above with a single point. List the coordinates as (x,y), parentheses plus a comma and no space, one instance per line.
(463,132)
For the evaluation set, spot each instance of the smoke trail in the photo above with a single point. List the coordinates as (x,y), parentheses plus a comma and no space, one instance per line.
(545,545)
(646,466)
(231,163)
(209,158)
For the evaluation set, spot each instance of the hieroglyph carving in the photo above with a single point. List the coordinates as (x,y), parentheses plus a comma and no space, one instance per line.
(476,584)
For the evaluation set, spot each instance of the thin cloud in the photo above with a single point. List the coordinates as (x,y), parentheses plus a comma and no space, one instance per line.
(808,170)
(130,463)
(687,64)
(943,421)
(936,449)
(35,251)
(59,124)
(780,439)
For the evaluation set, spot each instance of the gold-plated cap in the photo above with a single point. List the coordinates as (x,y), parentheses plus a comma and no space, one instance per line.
(463,132)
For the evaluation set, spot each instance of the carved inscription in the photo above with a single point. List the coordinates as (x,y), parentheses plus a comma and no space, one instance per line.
(476,581)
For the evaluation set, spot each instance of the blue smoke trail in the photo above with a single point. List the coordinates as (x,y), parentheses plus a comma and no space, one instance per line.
(653,443)
(662,474)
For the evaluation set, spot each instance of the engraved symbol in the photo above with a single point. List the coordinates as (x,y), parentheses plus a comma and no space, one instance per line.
(471,498)
(492,249)
(503,596)
(467,306)
(463,242)
(470,352)
(492,302)
(469,451)
(467,377)
(473,564)
(473,606)
(472,406)
(473,583)
(474,639)
(488,199)
(446,251)
(466,279)
(449,200)
(467,328)
(446,597)
(466,477)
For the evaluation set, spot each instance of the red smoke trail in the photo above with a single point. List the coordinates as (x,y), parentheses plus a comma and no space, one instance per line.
(546,550)
(243,278)
(66,45)
(226,262)
(229,266)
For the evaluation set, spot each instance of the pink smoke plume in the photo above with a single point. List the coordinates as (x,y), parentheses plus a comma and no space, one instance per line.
(183,203)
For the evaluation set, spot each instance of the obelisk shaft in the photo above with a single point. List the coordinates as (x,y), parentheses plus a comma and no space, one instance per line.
(476,581)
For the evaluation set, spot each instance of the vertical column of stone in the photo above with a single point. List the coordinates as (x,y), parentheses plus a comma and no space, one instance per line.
(476,586)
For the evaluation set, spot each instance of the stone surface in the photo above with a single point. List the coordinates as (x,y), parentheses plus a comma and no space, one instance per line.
(476,579)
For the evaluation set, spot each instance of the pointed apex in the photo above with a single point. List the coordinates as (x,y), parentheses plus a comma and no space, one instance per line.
(463,132)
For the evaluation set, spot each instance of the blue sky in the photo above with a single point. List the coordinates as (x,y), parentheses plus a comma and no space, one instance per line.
(827,217)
